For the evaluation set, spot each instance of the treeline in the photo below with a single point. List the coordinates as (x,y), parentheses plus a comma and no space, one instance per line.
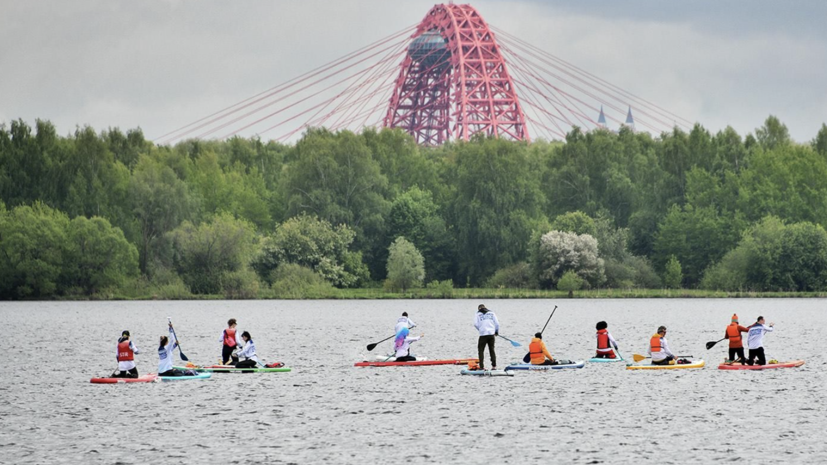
(112,214)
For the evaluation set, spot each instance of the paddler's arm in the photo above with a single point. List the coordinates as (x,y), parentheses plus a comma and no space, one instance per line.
(134,347)
(545,352)
(612,341)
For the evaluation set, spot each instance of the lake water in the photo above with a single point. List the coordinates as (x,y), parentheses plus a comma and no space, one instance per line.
(327,410)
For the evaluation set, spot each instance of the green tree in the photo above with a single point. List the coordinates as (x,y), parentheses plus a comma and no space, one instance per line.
(574,222)
(672,275)
(773,134)
(97,256)
(820,141)
(560,252)
(406,267)
(570,282)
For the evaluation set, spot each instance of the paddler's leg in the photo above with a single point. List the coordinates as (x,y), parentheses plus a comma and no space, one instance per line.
(491,351)
(407,358)
(760,352)
(226,353)
(740,353)
(752,354)
(732,353)
(133,373)
(481,351)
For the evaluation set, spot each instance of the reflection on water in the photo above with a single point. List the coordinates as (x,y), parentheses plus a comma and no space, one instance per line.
(328,410)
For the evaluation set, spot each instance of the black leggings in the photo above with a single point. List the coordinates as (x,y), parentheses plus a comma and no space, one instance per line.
(246,364)
(227,353)
(739,352)
(487,341)
(759,352)
(665,361)
(133,373)
(407,358)
(176,372)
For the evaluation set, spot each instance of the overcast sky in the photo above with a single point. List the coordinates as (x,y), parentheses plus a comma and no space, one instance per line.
(159,64)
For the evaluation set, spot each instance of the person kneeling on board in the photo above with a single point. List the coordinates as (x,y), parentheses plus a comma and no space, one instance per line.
(605,342)
(402,345)
(248,352)
(538,352)
(736,344)
(126,358)
(755,341)
(659,348)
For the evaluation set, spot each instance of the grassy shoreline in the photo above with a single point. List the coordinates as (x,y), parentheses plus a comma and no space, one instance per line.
(477,293)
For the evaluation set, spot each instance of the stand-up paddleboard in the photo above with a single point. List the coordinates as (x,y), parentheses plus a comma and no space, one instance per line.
(769,366)
(232,369)
(562,364)
(606,360)
(202,375)
(466,371)
(416,363)
(677,366)
(141,379)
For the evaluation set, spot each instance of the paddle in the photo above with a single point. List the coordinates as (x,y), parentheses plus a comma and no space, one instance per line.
(638,357)
(181,352)
(711,344)
(373,346)
(513,343)
(527,357)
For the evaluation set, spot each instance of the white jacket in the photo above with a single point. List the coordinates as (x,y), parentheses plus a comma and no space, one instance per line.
(165,354)
(664,351)
(249,351)
(487,323)
(403,322)
(755,336)
(405,348)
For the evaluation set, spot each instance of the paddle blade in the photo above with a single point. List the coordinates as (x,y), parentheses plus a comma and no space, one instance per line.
(527,358)
(516,344)
(710,344)
(638,357)
(183,357)
(371,346)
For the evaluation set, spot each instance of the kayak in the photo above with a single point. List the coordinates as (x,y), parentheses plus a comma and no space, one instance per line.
(141,379)
(560,366)
(417,363)
(738,366)
(232,369)
(694,364)
(607,360)
(466,371)
(204,375)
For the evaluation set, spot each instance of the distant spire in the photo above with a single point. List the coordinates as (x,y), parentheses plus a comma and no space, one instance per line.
(630,121)
(601,120)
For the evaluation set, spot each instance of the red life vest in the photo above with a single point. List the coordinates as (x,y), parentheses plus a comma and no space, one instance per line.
(125,353)
(734,336)
(603,339)
(535,351)
(654,343)
(229,337)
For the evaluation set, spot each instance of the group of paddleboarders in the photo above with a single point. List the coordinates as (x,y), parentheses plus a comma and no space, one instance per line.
(755,341)
(245,357)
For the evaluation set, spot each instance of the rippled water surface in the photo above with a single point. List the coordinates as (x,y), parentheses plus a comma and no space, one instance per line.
(327,410)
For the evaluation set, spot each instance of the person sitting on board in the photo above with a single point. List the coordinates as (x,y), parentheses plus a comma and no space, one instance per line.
(755,341)
(403,322)
(402,345)
(166,350)
(126,358)
(229,344)
(488,326)
(538,352)
(248,353)
(606,344)
(736,344)
(659,348)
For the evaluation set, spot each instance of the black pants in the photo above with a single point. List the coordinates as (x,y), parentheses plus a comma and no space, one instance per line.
(759,352)
(246,364)
(133,373)
(489,341)
(545,362)
(407,358)
(739,352)
(665,361)
(227,353)
(176,372)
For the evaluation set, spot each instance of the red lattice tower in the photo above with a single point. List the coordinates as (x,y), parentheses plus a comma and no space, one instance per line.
(454,83)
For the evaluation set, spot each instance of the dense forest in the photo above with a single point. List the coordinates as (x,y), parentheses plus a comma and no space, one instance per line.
(111,214)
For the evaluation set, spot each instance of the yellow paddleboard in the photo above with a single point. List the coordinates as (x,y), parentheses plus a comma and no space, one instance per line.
(649,366)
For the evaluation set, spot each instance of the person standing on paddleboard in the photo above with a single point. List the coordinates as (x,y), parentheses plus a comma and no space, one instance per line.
(659,348)
(736,344)
(489,327)
(126,358)
(248,353)
(229,343)
(755,341)
(538,352)
(606,344)
(403,322)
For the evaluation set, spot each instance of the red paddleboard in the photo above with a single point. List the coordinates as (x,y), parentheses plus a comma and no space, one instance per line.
(141,379)
(418,363)
(738,366)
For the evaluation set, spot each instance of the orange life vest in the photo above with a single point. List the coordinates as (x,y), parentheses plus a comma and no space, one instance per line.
(603,339)
(535,351)
(229,337)
(654,343)
(733,333)
(125,353)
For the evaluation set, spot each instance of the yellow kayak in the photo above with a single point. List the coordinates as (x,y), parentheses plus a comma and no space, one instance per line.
(649,366)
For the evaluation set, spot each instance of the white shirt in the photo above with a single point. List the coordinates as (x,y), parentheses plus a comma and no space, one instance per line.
(755,336)
(165,354)
(249,351)
(403,322)
(127,364)
(404,349)
(664,351)
(486,323)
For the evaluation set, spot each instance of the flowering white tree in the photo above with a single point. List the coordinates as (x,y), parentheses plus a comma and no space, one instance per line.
(560,252)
